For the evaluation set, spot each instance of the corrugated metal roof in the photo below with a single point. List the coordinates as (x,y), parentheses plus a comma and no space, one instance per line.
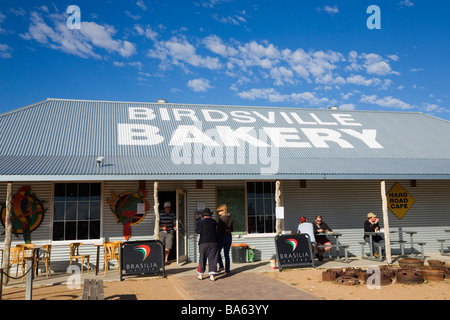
(61,139)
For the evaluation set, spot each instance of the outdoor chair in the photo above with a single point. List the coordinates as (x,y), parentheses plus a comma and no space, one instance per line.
(112,252)
(75,255)
(44,256)
(16,257)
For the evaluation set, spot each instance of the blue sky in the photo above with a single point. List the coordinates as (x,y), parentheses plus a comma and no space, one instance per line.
(306,54)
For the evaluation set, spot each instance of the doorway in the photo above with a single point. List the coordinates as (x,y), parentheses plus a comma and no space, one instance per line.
(179,206)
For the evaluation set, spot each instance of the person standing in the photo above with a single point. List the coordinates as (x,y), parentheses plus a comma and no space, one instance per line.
(207,229)
(167,228)
(224,228)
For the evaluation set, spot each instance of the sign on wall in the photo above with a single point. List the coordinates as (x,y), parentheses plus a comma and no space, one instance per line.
(399,200)
(129,209)
(27,213)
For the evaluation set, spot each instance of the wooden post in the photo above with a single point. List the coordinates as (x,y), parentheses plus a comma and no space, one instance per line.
(387,235)
(279,222)
(8,231)
(156,210)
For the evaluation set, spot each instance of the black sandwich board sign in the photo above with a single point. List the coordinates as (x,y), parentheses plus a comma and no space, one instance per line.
(294,250)
(141,257)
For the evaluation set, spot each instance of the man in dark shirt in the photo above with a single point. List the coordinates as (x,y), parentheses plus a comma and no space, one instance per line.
(167,228)
(372,224)
(207,229)
(321,240)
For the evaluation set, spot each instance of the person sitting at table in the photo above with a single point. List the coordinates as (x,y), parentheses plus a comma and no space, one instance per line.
(372,224)
(321,227)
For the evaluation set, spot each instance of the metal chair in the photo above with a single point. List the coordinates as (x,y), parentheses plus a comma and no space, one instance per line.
(75,255)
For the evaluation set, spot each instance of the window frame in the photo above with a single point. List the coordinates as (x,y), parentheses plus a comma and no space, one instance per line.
(52,220)
(259,234)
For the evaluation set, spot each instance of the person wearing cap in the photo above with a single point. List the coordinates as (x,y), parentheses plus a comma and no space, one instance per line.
(224,228)
(207,244)
(372,224)
(167,228)
(307,227)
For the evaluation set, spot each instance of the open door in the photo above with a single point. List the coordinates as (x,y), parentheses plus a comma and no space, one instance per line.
(181,223)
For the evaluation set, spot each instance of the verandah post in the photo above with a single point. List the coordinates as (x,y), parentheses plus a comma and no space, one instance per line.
(8,231)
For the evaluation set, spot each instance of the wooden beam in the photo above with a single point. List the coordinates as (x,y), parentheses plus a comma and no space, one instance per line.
(8,231)
(156,210)
(278,202)
(387,235)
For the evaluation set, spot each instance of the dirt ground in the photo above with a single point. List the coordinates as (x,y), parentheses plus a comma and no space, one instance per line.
(309,280)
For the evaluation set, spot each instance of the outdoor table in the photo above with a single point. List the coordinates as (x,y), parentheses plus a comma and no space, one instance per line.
(411,236)
(98,257)
(34,259)
(371,234)
(336,235)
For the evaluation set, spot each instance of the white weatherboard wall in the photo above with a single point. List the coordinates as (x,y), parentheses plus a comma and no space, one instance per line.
(343,204)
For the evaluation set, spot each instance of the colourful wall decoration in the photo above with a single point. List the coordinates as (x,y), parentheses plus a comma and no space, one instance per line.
(27,213)
(129,209)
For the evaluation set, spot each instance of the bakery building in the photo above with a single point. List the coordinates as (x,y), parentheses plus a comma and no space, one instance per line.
(78,161)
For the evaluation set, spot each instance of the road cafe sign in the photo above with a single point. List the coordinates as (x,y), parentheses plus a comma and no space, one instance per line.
(399,200)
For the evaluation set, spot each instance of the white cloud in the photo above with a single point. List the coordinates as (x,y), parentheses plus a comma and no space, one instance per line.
(388,102)
(406,3)
(361,81)
(142,5)
(267,94)
(282,75)
(216,45)
(199,85)
(236,20)
(330,10)
(5,51)
(212,3)
(147,32)
(134,17)
(309,98)
(179,51)
(375,64)
(272,95)
(264,64)
(80,42)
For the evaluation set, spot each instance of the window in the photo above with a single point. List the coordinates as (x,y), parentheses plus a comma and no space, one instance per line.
(261,207)
(77,209)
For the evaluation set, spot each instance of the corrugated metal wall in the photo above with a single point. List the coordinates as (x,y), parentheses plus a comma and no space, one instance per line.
(342,204)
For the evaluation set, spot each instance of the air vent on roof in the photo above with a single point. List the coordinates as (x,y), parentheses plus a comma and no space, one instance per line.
(161,101)
(333,108)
